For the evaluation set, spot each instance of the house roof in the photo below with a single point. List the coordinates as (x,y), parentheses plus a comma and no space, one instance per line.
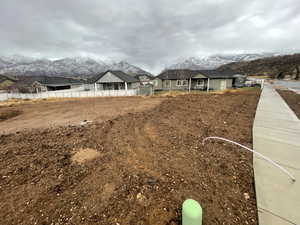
(141,75)
(50,81)
(225,73)
(177,74)
(118,73)
(184,74)
(4,77)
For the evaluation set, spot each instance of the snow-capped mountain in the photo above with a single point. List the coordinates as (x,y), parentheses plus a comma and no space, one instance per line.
(76,67)
(16,59)
(126,67)
(214,61)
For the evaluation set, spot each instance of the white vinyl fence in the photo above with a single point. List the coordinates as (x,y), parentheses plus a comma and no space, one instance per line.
(70,94)
(251,81)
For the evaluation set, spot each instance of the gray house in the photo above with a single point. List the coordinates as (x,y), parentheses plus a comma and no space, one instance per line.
(113,80)
(184,79)
(36,84)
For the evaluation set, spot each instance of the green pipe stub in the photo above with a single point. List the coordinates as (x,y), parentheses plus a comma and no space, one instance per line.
(191,213)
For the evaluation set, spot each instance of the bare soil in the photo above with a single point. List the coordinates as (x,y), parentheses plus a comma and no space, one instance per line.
(149,162)
(85,154)
(6,114)
(44,114)
(292,99)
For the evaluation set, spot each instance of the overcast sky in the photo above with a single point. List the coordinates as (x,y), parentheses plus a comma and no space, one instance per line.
(148,33)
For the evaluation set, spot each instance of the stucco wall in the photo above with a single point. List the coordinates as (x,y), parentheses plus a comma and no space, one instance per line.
(229,83)
(100,86)
(194,85)
(168,85)
(175,87)
(134,85)
(172,85)
(215,84)
(76,85)
(157,83)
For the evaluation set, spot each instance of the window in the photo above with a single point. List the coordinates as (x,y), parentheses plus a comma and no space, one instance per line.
(182,83)
(200,82)
(155,83)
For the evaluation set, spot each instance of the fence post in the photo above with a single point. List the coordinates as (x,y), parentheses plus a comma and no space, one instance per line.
(262,83)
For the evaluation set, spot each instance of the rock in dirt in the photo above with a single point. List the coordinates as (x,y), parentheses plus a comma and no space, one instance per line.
(85,155)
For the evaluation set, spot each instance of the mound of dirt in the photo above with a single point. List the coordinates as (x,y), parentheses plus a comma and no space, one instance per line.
(150,162)
(292,99)
(6,114)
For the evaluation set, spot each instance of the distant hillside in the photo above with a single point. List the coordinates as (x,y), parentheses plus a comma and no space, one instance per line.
(82,67)
(214,61)
(275,67)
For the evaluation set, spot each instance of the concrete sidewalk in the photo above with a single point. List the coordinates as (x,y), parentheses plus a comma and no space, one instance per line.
(276,134)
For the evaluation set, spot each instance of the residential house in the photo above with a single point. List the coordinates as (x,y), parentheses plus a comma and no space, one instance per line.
(6,82)
(36,84)
(113,80)
(144,78)
(185,79)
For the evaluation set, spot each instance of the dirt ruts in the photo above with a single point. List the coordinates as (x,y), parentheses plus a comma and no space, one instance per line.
(149,162)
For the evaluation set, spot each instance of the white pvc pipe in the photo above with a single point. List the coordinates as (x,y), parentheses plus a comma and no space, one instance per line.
(259,154)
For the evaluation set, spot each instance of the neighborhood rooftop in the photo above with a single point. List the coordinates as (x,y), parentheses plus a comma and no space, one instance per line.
(120,74)
(46,80)
(182,74)
(4,77)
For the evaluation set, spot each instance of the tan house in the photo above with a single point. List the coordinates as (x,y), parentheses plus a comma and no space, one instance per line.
(184,79)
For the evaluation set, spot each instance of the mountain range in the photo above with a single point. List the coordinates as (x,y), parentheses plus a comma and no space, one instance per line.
(283,66)
(82,67)
(215,61)
(18,65)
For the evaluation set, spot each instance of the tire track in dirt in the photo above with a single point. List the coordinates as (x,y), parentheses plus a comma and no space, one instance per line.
(150,162)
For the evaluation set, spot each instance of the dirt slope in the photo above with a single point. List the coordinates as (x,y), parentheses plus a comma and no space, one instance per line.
(148,164)
(292,99)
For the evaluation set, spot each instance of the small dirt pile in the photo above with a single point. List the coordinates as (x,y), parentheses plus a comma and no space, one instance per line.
(6,114)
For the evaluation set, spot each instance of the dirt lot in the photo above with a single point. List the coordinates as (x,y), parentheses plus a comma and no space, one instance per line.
(292,99)
(135,169)
(44,114)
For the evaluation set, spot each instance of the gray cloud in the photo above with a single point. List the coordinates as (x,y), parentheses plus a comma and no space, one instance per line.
(147,33)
